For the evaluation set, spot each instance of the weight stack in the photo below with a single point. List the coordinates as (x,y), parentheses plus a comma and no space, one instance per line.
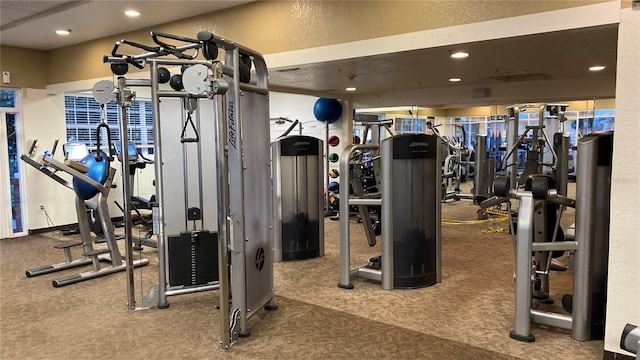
(193,258)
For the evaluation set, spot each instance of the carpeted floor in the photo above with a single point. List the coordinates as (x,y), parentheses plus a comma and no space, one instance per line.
(467,316)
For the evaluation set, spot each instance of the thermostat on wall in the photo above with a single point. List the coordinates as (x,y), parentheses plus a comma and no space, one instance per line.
(6,77)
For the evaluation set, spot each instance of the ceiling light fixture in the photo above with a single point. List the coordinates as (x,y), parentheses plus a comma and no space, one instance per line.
(459,55)
(350,89)
(132,13)
(455,79)
(63,32)
(597,68)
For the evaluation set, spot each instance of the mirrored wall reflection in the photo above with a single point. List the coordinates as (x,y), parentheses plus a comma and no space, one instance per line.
(404,119)
(460,126)
(579,122)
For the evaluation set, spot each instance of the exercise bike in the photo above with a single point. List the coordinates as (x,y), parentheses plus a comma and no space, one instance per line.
(141,207)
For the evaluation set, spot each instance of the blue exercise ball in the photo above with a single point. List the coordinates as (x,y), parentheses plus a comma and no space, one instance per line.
(327,110)
(98,170)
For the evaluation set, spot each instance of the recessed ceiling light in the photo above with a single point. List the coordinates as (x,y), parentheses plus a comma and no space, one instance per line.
(132,13)
(597,68)
(63,32)
(455,79)
(459,55)
(350,89)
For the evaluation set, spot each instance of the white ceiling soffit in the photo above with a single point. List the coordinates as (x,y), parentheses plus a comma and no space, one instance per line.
(32,24)
(508,57)
(558,55)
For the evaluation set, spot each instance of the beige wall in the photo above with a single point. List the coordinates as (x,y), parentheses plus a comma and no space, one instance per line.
(28,68)
(278,26)
(623,295)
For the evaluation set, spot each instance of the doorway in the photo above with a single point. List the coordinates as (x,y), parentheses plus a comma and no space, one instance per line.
(12,214)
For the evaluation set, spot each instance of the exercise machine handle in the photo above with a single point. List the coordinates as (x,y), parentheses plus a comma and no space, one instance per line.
(168,49)
(493,201)
(145,159)
(99,144)
(156,34)
(32,147)
(126,58)
(140,46)
(54,147)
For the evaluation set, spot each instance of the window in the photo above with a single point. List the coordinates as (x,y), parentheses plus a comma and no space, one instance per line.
(410,125)
(7,98)
(83,115)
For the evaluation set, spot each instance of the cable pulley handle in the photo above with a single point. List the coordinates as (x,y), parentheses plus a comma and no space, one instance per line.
(98,142)
(189,121)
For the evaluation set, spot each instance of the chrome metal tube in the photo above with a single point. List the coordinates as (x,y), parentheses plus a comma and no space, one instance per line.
(233,128)
(126,198)
(512,140)
(561,148)
(551,319)
(554,246)
(586,182)
(369,274)
(191,290)
(345,256)
(157,141)
(367,202)
(200,180)
(223,213)
(387,258)
(327,179)
(522,322)
(185,169)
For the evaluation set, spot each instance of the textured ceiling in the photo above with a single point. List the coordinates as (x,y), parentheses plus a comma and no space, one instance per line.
(510,63)
(31,24)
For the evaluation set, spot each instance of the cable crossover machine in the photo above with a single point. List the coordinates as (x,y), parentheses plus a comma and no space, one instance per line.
(240,138)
